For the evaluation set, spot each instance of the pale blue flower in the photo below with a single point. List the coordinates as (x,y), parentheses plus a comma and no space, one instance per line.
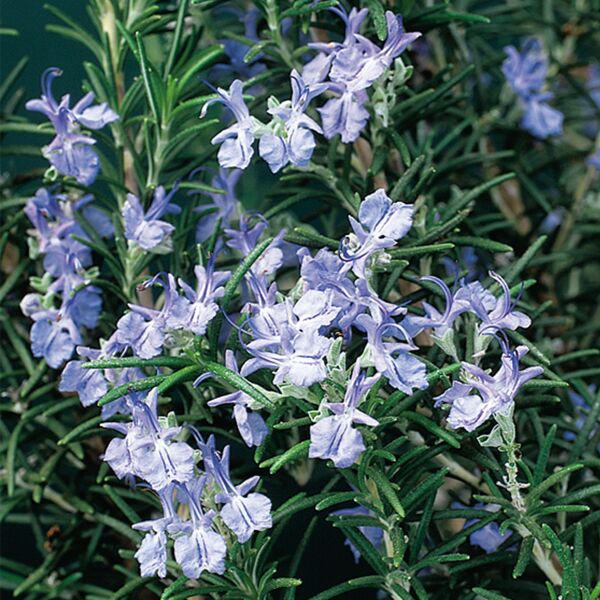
(145,229)
(540,119)
(526,71)
(381,223)
(148,450)
(236,141)
(200,308)
(243,512)
(251,425)
(198,547)
(71,152)
(225,208)
(594,159)
(492,394)
(291,140)
(372,533)
(335,437)
(389,346)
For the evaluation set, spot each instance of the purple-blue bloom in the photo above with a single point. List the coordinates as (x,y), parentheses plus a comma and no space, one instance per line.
(71,152)
(381,223)
(198,547)
(499,314)
(526,71)
(540,119)
(372,533)
(582,408)
(594,159)
(243,512)
(251,425)
(353,66)
(236,141)
(391,357)
(197,308)
(145,229)
(488,538)
(148,449)
(526,74)
(493,393)
(335,437)
(144,329)
(291,139)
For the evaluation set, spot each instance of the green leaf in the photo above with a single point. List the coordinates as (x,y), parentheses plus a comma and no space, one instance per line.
(378,15)
(238,382)
(542,461)
(387,490)
(298,451)
(172,362)
(479,242)
(439,432)
(133,386)
(81,428)
(369,581)
(151,82)
(517,268)
(11,456)
(536,492)
(419,250)
(524,558)
(488,595)
(230,289)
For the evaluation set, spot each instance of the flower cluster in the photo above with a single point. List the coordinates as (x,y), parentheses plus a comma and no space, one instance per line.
(71,152)
(526,73)
(150,452)
(345,70)
(478,395)
(65,301)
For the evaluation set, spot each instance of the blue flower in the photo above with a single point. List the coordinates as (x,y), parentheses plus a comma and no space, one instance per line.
(353,66)
(198,547)
(493,394)
(540,119)
(497,314)
(327,272)
(488,538)
(236,141)
(199,307)
(594,159)
(291,140)
(439,322)
(71,152)
(245,238)
(335,437)
(251,425)
(381,223)
(390,356)
(243,512)
(145,229)
(148,450)
(300,360)
(237,50)
(144,329)
(89,384)
(152,554)
(526,71)
(53,338)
